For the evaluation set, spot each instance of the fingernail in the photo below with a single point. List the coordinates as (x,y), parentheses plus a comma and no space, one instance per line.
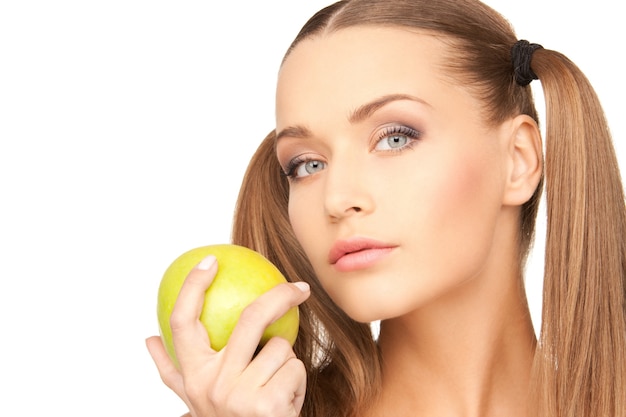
(206,263)
(302,286)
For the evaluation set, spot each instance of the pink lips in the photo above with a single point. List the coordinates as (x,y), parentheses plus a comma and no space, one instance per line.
(357,253)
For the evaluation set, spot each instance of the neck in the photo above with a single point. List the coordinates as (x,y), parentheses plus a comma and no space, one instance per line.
(469,354)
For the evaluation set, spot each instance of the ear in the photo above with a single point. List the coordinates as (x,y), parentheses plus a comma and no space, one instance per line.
(525,155)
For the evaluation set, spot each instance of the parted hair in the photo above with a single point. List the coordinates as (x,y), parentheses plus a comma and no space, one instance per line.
(580,360)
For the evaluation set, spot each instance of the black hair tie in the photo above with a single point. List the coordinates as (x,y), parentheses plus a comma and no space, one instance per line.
(521,55)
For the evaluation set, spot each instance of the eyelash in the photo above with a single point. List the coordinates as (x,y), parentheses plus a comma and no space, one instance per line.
(411,134)
(292,166)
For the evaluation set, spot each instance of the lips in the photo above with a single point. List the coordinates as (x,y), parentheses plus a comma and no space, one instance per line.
(357,253)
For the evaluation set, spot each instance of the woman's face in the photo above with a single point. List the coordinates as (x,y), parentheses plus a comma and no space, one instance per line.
(396,183)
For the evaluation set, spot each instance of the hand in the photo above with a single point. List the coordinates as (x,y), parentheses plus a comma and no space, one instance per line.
(232,382)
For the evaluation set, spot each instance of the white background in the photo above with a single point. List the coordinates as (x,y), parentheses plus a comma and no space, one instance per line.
(125,129)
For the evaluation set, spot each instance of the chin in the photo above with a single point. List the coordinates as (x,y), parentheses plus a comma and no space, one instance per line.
(365,306)
(366,314)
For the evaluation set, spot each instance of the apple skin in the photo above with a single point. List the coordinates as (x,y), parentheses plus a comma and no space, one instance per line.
(242,276)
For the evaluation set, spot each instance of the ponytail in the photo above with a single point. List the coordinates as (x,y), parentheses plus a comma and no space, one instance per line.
(580,364)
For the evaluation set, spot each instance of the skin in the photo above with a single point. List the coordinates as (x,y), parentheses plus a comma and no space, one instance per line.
(455,320)
(230,382)
(456,336)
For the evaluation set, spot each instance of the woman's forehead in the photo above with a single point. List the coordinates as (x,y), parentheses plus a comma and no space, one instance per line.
(367,40)
(339,71)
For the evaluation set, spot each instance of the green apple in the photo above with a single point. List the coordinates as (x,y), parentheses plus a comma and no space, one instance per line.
(243,275)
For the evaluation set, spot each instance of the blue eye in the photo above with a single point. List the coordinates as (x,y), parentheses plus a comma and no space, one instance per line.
(396,138)
(392,142)
(309,167)
(301,167)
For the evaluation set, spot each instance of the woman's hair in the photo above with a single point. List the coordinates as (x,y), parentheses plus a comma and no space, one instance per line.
(580,360)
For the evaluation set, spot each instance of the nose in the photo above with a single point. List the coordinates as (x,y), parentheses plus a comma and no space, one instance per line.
(347,191)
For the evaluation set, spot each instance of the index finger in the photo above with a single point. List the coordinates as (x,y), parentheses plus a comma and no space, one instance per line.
(255,318)
(189,336)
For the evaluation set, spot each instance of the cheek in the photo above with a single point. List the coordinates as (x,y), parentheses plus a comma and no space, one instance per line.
(461,202)
(460,185)
(467,188)
(303,216)
(297,212)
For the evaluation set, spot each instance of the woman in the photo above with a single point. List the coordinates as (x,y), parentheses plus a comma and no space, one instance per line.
(401,184)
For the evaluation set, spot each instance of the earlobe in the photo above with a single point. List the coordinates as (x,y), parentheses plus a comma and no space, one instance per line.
(526,156)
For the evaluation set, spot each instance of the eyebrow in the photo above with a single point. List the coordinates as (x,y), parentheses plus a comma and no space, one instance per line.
(356,116)
(366,110)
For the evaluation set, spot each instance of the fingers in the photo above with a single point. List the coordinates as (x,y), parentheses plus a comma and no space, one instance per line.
(191,296)
(191,341)
(270,359)
(231,382)
(273,384)
(167,371)
(275,381)
(265,310)
(290,380)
